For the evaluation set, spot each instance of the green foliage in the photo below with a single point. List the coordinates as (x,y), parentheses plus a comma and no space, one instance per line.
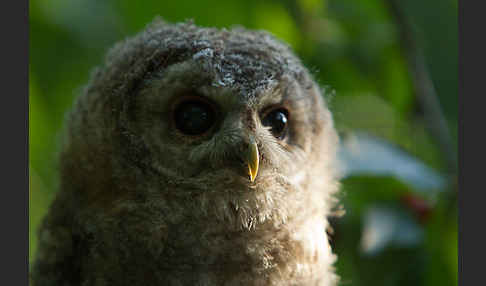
(352,47)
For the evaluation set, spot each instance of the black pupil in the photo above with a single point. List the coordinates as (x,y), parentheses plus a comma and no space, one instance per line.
(277,120)
(194,117)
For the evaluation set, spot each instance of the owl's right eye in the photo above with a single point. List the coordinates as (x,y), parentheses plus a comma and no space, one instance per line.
(194,116)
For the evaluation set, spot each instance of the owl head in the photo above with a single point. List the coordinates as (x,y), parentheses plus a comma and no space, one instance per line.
(227,121)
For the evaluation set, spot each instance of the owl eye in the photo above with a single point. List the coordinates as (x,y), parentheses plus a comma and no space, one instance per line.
(194,116)
(277,119)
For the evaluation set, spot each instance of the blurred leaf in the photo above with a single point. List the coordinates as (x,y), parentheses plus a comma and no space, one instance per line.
(38,202)
(358,192)
(83,19)
(385,226)
(442,244)
(311,5)
(364,154)
(436,29)
(371,114)
(275,19)
(396,84)
(228,13)
(41,134)
(38,123)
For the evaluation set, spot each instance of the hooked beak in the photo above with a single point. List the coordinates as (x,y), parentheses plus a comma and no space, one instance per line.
(253,159)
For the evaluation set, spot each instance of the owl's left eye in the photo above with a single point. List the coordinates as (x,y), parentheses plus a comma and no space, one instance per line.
(194,116)
(277,119)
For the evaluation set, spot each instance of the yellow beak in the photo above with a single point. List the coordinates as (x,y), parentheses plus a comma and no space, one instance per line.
(253,160)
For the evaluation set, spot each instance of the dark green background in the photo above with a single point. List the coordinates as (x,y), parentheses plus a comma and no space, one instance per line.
(351,46)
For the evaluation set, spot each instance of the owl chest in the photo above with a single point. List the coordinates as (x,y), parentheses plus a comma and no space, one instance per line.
(256,257)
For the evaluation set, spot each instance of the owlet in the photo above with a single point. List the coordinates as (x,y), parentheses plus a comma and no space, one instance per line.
(194,156)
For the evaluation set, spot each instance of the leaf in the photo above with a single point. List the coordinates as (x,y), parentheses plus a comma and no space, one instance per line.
(363,154)
(386,226)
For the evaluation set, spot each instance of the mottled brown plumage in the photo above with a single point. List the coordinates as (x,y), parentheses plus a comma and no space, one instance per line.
(142,203)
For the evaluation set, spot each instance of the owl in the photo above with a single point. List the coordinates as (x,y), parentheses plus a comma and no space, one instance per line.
(194,156)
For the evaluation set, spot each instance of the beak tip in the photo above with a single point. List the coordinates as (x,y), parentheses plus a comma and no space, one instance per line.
(252,173)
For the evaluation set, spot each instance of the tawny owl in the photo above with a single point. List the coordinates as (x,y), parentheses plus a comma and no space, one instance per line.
(194,156)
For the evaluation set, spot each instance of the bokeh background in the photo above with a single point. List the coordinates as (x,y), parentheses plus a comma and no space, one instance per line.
(388,69)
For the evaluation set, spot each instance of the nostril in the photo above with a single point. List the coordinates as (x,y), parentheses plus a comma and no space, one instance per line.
(240,160)
(240,153)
